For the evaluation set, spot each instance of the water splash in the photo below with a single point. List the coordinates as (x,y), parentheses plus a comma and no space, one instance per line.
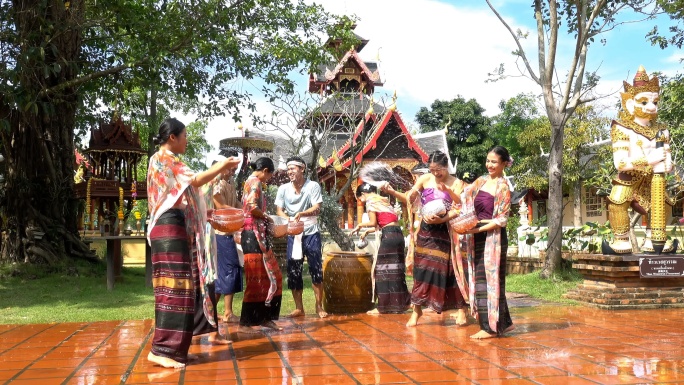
(378,173)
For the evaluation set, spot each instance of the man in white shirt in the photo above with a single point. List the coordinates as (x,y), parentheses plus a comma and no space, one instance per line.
(301,200)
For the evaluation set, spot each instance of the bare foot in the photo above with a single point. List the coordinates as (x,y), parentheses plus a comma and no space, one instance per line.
(230,319)
(482,335)
(271,325)
(321,313)
(373,312)
(296,313)
(247,330)
(165,362)
(509,329)
(417,313)
(218,339)
(461,317)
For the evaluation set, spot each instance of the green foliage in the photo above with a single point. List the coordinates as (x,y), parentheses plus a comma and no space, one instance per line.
(675,8)
(468,131)
(530,168)
(580,161)
(575,239)
(197,146)
(517,114)
(551,289)
(331,210)
(512,229)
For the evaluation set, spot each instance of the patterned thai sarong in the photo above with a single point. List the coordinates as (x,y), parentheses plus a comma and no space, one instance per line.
(174,291)
(434,281)
(229,278)
(505,320)
(201,322)
(390,279)
(255,310)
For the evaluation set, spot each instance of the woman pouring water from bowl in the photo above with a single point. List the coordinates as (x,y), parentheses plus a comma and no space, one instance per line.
(389,279)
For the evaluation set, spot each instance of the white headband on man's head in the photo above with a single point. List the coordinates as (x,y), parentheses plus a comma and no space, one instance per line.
(296,163)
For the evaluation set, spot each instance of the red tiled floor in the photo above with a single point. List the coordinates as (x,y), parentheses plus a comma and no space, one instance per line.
(551,345)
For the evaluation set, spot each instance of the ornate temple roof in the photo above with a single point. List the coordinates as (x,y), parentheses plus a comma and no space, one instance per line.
(114,137)
(436,141)
(388,138)
(331,72)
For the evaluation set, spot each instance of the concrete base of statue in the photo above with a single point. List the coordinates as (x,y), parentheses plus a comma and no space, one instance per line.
(631,281)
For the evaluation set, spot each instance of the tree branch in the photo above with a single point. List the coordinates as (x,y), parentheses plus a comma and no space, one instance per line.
(517,42)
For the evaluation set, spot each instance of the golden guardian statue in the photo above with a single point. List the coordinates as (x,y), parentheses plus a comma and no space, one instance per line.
(641,154)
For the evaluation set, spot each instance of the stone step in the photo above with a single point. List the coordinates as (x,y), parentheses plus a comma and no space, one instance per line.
(625,301)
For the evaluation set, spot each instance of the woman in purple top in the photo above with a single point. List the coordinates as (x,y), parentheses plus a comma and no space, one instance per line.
(487,245)
(435,283)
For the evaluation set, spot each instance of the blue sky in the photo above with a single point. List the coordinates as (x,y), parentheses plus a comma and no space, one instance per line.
(441,49)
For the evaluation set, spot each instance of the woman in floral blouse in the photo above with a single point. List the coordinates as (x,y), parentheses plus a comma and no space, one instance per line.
(264,281)
(178,237)
(487,245)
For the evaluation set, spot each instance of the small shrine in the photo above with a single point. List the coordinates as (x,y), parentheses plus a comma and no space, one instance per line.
(107,177)
(367,131)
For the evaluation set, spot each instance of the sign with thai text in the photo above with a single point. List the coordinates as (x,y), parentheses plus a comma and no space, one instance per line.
(661,267)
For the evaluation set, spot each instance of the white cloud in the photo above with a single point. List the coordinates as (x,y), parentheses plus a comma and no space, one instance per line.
(434,50)
(431,50)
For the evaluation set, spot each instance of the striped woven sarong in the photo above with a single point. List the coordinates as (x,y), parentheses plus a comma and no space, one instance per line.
(390,279)
(255,311)
(434,281)
(505,320)
(174,293)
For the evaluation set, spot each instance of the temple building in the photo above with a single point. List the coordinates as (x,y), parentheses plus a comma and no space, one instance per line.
(358,130)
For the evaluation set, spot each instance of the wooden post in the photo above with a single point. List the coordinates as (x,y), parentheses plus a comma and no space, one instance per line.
(350,213)
(110,266)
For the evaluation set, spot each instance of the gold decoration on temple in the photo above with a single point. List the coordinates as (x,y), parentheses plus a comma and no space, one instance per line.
(620,148)
(336,162)
(393,106)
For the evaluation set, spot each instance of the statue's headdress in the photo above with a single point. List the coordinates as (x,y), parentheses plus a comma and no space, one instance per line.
(642,83)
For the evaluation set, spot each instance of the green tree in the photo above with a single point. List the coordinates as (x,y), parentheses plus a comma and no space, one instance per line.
(198,146)
(468,131)
(564,89)
(517,115)
(63,60)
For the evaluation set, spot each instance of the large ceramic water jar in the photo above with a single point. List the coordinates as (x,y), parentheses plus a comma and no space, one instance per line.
(347,285)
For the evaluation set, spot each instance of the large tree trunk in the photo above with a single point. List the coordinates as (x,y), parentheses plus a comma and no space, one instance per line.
(555,201)
(40,208)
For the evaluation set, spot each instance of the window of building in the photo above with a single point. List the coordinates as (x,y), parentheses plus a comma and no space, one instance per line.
(593,203)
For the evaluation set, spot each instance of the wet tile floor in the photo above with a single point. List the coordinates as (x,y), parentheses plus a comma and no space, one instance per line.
(551,345)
